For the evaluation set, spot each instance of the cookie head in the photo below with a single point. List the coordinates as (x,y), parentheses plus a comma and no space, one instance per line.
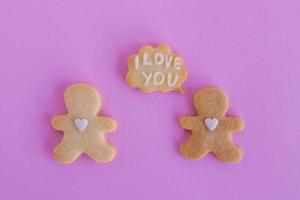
(82,100)
(211,102)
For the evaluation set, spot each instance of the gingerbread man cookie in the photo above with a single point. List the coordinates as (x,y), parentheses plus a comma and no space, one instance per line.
(156,69)
(211,129)
(84,131)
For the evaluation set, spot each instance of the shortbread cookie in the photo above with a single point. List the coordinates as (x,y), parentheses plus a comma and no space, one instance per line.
(84,131)
(211,129)
(156,69)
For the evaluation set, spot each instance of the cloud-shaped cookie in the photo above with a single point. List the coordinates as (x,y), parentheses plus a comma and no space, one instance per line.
(156,69)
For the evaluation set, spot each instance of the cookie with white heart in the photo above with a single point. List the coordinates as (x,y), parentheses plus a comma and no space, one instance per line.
(156,68)
(211,129)
(84,130)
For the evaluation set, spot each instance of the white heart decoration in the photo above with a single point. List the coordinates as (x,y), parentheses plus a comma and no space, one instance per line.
(211,123)
(81,124)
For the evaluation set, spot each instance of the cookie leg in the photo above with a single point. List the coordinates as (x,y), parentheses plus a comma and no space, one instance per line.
(66,152)
(102,152)
(194,150)
(228,153)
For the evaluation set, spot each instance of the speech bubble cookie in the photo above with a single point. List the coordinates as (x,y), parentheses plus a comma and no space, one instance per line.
(156,69)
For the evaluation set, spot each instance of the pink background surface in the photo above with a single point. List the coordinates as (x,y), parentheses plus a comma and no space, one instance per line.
(249,48)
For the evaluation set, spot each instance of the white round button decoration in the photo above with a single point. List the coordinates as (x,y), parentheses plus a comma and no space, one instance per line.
(211,123)
(81,124)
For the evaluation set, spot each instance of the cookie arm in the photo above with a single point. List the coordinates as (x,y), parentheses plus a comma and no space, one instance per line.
(58,122)
(107,124)
(188,122)
(234,123)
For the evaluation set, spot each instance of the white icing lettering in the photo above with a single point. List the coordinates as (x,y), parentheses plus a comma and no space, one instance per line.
(145,61)
(147,77)
(170,82)
(158,78)
(168,61)
(158,58)
(177,62)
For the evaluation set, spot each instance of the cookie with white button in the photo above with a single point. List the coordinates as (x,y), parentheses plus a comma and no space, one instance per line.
(211,129)
(84,130)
